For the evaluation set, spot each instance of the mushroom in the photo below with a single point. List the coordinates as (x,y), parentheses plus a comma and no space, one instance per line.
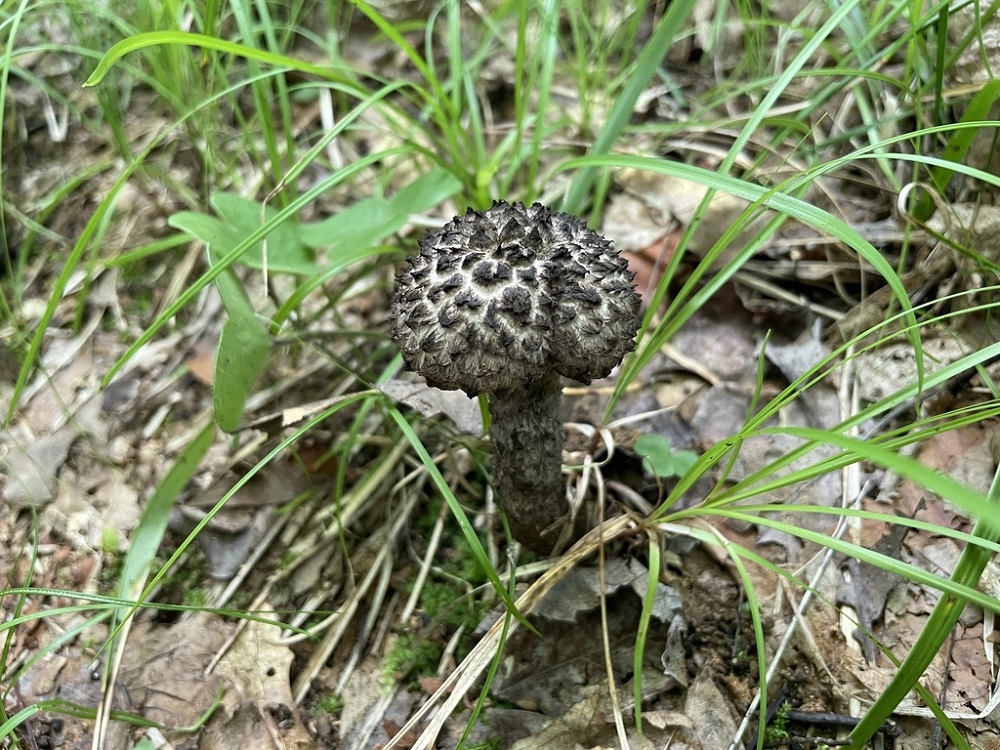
(504,302)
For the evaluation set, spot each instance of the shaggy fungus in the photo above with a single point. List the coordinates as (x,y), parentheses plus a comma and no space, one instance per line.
(504,302)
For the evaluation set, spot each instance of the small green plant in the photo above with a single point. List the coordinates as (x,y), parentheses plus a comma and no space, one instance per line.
(329,704)
(776,732)
(109,541)
(660,458)
(447,601)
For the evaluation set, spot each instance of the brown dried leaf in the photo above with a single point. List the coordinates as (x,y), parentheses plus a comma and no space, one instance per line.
(264,713)
(165,668)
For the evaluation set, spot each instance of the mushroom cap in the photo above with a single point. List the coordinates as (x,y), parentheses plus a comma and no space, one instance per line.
(496,299)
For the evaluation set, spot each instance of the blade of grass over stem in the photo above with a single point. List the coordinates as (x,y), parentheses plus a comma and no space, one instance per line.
(110,604)
(947,488)
(943,485)
(785,204)
(645,618)
(745,511)
(63,707)
(148,534)
(470,533)
(494,668)
(863,554)
(750,485)
(237,486)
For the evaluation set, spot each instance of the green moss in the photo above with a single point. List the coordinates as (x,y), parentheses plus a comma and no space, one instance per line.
(410,657)
(109,541)
(777,731)
(195,597)
(329,704)
(494,743)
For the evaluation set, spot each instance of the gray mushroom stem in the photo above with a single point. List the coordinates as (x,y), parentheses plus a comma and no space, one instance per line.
(528,436)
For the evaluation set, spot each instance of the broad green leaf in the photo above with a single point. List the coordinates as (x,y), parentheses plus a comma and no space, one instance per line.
(360,225)
(243,349)
(241,217)
(366,223)
(424,193)
(285,251)
(145,542)
(193,289)
(210,230)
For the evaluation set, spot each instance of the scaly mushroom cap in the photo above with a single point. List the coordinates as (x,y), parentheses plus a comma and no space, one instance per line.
(494,300)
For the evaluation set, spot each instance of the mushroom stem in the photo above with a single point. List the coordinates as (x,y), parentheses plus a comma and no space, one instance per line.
(504,302)
(528,437)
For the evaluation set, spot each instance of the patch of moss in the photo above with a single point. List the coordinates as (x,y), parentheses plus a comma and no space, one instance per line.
(195,597)
(409,658)
(494,743)
(448,604)
(329,704)
(109,541)
(776,732)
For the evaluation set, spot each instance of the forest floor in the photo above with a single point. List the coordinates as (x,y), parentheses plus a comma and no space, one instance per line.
(304,583)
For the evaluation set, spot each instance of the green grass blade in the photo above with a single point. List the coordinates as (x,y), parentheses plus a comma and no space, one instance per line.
(148,535)
(958,145)
(456,508)
(642,633)
(645,66)
(156,38)
(781,202)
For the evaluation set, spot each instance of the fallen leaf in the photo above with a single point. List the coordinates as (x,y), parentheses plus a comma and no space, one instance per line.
(257,669)
(165,668)
(651,204)
(865,588)
(711,712)
(463,411)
